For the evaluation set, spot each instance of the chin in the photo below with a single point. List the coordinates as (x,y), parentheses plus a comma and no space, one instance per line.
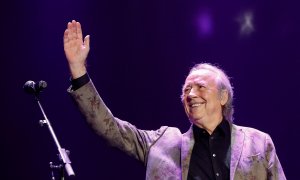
(196,120)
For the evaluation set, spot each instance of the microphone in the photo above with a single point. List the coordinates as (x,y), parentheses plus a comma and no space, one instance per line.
(32,87)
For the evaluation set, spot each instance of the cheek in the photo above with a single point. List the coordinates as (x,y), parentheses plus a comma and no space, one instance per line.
(214,101)
(185,106)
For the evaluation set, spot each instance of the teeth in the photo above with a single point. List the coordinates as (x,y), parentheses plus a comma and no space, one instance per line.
(195,105)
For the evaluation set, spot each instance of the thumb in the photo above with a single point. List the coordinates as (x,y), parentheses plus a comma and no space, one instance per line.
(86,41)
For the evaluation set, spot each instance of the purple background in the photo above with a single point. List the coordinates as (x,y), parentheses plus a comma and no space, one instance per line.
(141,52)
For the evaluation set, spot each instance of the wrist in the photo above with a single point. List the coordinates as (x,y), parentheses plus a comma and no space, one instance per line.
(77,70)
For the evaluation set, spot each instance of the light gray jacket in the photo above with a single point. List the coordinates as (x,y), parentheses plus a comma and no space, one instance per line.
(166,152)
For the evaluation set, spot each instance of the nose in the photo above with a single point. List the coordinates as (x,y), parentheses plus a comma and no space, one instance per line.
(192,93)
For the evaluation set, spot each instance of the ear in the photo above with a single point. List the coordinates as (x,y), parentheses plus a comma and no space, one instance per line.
(224,97)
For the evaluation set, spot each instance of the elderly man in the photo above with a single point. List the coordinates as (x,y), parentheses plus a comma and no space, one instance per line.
(213,148)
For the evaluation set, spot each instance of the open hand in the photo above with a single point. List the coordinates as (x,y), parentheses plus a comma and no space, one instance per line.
(76,49)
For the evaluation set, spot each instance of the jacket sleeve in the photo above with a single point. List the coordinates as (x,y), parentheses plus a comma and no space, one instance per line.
(118,133)
(275,171)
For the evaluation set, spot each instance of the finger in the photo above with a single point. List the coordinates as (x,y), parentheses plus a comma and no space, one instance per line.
(79,30)
(87,41)
(70,30)
(69,26)
(66,38)
(72,34)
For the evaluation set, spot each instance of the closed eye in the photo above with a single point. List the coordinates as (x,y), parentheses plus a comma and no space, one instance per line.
(201,86)
(187,89)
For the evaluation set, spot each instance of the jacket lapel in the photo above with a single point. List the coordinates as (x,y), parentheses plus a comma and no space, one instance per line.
(186,151)
(237,143)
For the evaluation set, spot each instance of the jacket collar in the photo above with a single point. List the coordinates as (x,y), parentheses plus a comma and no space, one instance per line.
(237,143)
(187,145)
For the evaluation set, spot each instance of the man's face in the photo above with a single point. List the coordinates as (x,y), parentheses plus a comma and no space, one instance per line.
(201,98)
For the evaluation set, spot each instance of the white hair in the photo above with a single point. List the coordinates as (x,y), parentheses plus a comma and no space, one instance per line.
(223,83)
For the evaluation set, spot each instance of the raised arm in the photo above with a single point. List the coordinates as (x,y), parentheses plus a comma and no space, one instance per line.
(76,49)
(118,133)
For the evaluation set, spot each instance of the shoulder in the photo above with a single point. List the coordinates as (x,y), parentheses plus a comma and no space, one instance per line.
(169,134)
(166,138)
(170,131)
(249,131)
(252,134)
(164,132)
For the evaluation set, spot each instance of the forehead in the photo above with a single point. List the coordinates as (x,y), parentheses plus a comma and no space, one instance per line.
(201,76)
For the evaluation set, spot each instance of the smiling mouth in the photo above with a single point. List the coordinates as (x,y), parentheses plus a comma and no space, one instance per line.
(195,105)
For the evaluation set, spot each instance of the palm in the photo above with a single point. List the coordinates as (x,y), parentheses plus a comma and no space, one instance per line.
(76,49)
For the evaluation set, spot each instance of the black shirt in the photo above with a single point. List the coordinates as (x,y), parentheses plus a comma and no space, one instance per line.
(210,157)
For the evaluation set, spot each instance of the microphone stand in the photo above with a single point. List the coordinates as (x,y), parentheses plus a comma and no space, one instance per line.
(65,162)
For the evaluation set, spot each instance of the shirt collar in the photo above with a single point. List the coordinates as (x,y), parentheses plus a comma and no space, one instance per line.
(223,129)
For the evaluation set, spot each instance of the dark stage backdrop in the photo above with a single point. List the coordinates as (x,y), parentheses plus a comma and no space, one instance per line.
(141,52)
